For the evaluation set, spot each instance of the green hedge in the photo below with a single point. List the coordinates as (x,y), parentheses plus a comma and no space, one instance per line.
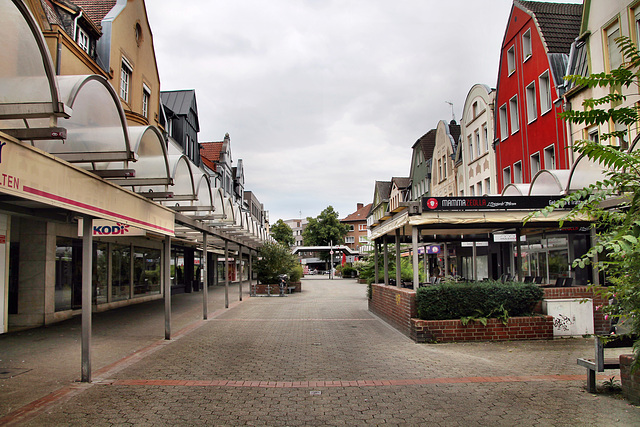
(457,300)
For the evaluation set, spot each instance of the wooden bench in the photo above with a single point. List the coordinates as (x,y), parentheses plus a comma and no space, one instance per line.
(598,364)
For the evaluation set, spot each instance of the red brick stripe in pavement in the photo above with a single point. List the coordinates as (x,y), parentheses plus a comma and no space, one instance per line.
(356,383)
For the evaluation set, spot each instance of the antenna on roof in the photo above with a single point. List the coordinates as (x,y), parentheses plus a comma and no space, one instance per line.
(453,115)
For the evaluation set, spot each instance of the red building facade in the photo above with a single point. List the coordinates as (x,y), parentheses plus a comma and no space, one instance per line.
(529,135)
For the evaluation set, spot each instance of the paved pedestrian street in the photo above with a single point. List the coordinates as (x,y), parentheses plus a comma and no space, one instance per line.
(321,358)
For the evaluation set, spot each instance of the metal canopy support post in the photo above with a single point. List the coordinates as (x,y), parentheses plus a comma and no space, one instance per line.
(87,259)
(398,269)
(241,273)
(386,260)
(595,272)
(519,255)
(425,265)
(446,260)
(475,264)
(414,247)
(166,276)
(205,277)
(226,274)
(250,269)
(375,260)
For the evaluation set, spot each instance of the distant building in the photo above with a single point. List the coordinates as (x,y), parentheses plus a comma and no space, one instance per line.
(443,177)
(357,236)
(297,227)
(421,159)
(181,122)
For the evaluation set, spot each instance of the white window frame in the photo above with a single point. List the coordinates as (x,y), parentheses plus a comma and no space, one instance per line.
(612,52)
(126,73)
(535,163)
(487,185)
(476,138)
(472,190)
(362,227)
(470,143)
(485,137)
(517,172)
(514,118)
(546,103)
(83,40)
(146,99)
(527,51)
(504,124)
(550,157)
(506,176)
(511,60)
(479,188)
(363,239)
(350,239)
(532,108)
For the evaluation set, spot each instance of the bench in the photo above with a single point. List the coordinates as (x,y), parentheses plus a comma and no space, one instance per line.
(291,289)
(598,364)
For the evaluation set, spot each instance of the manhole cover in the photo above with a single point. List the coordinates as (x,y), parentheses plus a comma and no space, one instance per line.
(11,372)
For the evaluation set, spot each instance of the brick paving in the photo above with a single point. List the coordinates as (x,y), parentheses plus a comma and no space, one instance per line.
(320,358)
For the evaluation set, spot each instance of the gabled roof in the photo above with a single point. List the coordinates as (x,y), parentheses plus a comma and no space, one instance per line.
(359,215)
(96,9)
(401,182)
(383,188)
(559,23)
(179,101)
(210,153)
(427,142)
(63,13)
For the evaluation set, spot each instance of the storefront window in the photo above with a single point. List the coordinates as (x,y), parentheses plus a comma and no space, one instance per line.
(177,267)
(146,273)
(121,271)
(100,272)
(68,291)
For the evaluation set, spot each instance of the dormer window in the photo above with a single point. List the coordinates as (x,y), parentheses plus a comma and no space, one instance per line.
(82,38)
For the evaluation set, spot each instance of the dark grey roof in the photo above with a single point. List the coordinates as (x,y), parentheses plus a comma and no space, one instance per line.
(401,182)
(427,142)
(578,63)
(179,101)
(559,23)
(455,131)
(384,189)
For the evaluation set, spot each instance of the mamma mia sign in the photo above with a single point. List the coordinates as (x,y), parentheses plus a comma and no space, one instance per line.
(487,203)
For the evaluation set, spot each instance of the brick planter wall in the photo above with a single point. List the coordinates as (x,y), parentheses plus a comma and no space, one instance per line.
(517,328)
(630,383)
(600,325)
(261,288)
(397,306)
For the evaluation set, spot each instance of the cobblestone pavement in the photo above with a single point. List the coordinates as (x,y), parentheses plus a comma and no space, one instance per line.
(320,358)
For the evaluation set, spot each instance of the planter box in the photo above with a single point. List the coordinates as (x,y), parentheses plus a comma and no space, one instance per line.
(263,289)
(630,383)
(517,328)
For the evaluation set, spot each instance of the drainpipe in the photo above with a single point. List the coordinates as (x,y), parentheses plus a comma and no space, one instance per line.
(58,57)
(75,26)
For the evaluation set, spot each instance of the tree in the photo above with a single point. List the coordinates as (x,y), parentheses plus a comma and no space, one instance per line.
(275,259)
(325,229)
(617,249)
(282,233)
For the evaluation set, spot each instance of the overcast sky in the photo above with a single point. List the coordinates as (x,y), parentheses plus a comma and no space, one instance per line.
(321,98)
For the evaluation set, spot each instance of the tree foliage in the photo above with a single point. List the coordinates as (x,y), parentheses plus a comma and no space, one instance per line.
(275,259)
(282,233)
(617,249)
(325,229)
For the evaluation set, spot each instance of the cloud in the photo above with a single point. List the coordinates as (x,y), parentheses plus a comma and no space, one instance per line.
(323,98)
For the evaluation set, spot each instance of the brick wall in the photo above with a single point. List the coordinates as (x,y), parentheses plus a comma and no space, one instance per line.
(600,325)
(397,306)
(630,383)
(517,328)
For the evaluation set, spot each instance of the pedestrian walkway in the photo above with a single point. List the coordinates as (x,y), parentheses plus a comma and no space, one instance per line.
(319,358)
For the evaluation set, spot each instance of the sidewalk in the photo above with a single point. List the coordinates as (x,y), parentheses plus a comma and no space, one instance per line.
(314,358)
(50,356)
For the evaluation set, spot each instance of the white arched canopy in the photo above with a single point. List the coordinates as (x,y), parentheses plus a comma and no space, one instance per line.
(549,183)
(28,87)
(516,190)
(584,173)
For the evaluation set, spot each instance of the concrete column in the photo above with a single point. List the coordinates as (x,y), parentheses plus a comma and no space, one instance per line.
(519,255)
(414,248)
(166,280)
(226,274)
(204,270)
(87,261)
